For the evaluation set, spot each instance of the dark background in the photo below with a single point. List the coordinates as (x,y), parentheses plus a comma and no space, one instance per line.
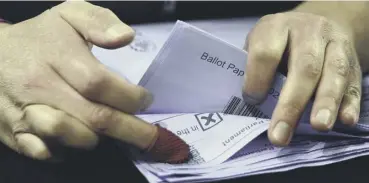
(150,11)
(106,163)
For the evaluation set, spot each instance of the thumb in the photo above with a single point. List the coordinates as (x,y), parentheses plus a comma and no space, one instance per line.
(32,146)
(97,25)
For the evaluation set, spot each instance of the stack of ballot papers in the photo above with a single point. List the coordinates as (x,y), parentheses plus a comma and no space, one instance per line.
(196,79)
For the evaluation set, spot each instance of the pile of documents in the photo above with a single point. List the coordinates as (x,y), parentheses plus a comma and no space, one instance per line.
(196,79)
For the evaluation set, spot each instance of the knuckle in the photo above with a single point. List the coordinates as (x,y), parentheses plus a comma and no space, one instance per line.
(345,39)
(19,127)
(311,70)
(54,125)
(266,52)
(323,21)
(311,65)
(30,110)
(102,118)
(94,82)
(325,24)
(260,47)
(340,57)
(355,68)
(280,17)
(266,18)
(324,27)
(272,17)
(354,91)
(351,55)
(341,65)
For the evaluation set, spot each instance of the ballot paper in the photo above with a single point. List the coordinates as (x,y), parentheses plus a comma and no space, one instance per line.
(196,79)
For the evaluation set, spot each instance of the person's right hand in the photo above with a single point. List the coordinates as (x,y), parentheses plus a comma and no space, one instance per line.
(54,90)
(321,59)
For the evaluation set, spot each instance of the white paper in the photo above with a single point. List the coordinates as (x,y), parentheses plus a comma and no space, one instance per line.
(210,143)
(198,97)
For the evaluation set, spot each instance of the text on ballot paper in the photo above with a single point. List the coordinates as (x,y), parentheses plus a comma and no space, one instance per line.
(222,63)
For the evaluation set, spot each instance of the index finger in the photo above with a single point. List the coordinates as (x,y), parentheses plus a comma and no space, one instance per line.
(266,45)
(157,142)
(94,81)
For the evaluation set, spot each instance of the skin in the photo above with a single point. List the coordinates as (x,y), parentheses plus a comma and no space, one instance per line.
(53,88)
(323,43)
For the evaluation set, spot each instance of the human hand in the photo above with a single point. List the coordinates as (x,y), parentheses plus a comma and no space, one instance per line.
(321,61)
(54,89)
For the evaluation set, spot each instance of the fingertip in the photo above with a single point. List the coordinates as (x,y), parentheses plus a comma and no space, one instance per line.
(280,134)
(98,25)
(319,126)
(114,37)
(119,32)
(32,146)
(252,99)
(146,100)
(275,141)
(322,121)
(349,117)
(254,91)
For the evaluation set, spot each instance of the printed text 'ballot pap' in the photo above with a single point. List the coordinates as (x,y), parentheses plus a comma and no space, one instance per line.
(222,63)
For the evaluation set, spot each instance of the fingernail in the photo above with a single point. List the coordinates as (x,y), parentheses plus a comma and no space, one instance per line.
(147,100)
(32,146)
(324,117)
(253,100)
(282,132)
(355,116)
(119,30)
(351,116)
